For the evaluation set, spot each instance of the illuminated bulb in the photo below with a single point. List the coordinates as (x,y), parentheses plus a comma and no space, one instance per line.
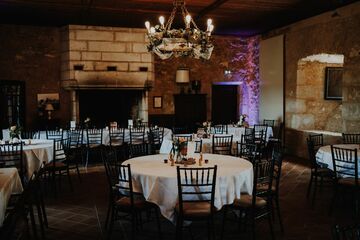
(209,23)
(152,30)
(211,28)
(147,25)
(162,20)
(188,20)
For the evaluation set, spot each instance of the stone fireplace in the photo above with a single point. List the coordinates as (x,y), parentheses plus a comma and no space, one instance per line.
(97,58)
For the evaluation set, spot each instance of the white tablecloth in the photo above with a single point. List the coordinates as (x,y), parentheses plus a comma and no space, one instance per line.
(237,132)
(324,156)
(157,180)
(40,150)
(10,183)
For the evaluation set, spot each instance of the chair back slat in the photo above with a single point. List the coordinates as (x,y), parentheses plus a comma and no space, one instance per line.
(196,185)
(117,136)
(317,139)
(351,138)
(75,136)
(94,136)
(30,134)
(198,146)
(54,134)
(137,135)
(138,150)
(345,162)
(269,123)
(222,144)
(11,155)
(260,131)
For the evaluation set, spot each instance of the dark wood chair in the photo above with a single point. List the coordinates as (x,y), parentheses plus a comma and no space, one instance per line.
(198,146)
(351,232)
(317,139)
(93,138)
(30,134)
(196,189)
(122,198)
(222,144)
(257,205)
(137,135)
(59,166)
(346,175)
(75,150)
(351,138)
(220,129)
(138,150)
(249,151)
(156,136)
(11,155)
(269,123)
(260,132)
(316,171)
(54,134)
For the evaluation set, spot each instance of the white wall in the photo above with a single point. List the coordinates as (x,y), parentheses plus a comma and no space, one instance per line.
(271,79)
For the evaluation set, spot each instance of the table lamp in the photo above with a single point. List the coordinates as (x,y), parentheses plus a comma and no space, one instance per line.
(182,77)
(49,108)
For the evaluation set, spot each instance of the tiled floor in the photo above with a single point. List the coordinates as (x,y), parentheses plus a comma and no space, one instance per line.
(81,214)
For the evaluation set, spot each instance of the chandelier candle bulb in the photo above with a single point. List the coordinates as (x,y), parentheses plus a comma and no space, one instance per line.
(147,25)
(188,20)
(162,21)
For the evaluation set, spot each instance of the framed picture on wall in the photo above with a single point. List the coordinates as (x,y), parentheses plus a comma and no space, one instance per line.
(157,102)
(52,99)
(333,83)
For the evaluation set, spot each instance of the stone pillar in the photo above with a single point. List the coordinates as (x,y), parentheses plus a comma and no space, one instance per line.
(74,106)
(143,107)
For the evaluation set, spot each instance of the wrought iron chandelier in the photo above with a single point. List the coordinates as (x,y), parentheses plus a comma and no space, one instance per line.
(191,41)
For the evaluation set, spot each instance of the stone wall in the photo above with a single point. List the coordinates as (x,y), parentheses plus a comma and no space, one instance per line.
(238,55)
(32,54)
(326,33)
(96,48)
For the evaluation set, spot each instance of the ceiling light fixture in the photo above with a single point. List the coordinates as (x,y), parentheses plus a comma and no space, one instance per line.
(191,41)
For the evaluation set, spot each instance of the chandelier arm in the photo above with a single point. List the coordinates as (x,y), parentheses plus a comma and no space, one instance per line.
(171,18)
(185,12)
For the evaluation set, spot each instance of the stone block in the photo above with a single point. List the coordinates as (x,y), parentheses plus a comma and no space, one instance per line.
(90,55)
(66,75)
(107,46)
(139,48)
(310,92)
(134,67)
(72,55)
(302,121)
(296,105)
(94,35)
(121,57)
(129,37)
(102,66)
(147,57)
(77,45)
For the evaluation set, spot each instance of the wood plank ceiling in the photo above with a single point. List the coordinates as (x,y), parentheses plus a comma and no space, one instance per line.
(239,17)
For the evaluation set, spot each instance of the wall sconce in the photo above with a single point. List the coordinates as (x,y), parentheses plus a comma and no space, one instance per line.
(49,108)
(182,77)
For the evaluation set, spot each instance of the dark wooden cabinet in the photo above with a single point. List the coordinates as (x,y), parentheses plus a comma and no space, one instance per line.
(190,110)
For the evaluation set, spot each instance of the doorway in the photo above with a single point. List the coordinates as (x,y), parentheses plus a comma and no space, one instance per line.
(224,103)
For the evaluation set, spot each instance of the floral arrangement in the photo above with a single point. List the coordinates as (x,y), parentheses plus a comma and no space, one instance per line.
(242,122)
(87,122)
(207,127)
(15,132)
(179,146)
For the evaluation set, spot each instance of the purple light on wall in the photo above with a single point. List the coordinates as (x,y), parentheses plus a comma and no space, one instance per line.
(246,62)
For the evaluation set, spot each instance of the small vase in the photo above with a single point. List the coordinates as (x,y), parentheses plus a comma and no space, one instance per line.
(178,157)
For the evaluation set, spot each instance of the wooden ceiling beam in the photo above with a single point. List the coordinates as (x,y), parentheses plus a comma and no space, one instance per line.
(210,8)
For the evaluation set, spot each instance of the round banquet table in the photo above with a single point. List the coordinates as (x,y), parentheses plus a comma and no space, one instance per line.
(324,156)
(157,180)
(37,152)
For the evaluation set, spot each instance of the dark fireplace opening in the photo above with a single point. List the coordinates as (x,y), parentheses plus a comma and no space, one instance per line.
(104,106)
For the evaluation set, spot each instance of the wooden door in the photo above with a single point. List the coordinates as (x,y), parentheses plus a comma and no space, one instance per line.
(224,103)
(190,110)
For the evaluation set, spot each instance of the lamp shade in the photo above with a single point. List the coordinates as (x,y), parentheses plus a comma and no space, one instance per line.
(49,107)
(182,75)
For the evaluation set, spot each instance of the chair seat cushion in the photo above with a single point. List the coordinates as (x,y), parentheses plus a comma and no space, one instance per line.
(245,201)
(195,209)
(347,181)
